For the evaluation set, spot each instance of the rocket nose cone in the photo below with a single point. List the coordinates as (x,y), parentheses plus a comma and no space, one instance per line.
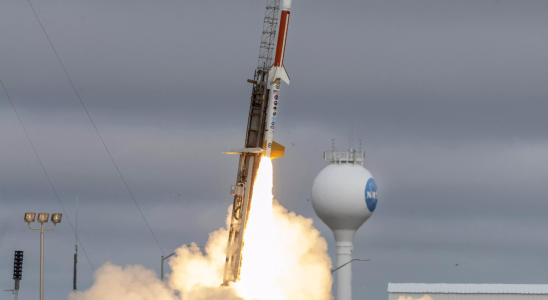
(286,5)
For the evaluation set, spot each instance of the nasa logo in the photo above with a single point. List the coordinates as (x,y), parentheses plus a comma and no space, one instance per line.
(275,97)
(276,102)
(371,194)
(273,123)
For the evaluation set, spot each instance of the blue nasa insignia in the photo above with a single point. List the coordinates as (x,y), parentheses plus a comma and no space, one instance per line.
(371,194)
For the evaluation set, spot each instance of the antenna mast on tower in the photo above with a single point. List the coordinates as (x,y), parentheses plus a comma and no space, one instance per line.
(75,248)
(351,138)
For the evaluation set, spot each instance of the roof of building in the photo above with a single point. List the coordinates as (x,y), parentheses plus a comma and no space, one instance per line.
(449,288)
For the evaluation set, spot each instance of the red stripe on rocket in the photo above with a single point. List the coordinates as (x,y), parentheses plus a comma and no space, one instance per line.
(278,69)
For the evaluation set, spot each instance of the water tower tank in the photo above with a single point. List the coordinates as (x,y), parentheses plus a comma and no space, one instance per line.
(344,195)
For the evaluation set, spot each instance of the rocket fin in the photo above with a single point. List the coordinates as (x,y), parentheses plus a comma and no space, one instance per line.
(277,150)
(278,72)
(284,76)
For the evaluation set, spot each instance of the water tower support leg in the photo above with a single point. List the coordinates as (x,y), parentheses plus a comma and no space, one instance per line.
(344,275)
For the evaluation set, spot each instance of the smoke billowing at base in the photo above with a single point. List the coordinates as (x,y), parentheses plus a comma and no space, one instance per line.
(284,258)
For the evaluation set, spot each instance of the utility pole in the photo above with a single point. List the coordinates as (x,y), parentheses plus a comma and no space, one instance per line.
(75,262)
(75,248)
(162,266)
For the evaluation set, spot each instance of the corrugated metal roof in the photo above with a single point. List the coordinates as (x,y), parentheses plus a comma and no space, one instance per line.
(450,288)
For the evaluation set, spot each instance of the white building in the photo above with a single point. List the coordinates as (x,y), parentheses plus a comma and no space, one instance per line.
(444,291)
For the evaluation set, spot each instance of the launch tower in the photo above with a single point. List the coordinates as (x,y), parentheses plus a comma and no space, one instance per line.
(260,130)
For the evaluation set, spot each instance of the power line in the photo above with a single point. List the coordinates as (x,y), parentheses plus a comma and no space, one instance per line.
(94,126)
(45,172)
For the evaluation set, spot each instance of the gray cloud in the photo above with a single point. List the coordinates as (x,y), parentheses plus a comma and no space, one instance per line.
(448,97)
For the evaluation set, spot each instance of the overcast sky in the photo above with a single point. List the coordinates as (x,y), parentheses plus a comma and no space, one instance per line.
(449,97)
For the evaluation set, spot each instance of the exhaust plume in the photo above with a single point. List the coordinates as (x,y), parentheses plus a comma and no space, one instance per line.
(284,258)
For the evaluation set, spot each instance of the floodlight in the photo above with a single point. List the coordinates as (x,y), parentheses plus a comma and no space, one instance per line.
(43,218)
(56,218)
(30,217)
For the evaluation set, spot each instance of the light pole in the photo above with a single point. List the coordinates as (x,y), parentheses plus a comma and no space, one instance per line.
(166,257)
(42,218)
(162,268)
(335,270)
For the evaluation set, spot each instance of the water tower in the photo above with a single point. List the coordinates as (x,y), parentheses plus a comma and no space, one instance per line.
(344,195)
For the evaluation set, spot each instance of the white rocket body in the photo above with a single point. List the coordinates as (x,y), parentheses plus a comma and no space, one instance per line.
(271,113)
(278,74)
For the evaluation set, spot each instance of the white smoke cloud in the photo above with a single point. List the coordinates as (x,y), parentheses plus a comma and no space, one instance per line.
(305,266)
(425,297)
(302,272)
(198,276)
(132,282)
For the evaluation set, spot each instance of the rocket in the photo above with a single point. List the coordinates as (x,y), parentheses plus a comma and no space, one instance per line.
(278,69)
(277,74)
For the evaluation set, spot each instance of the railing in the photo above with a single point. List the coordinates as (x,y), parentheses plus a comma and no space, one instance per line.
(344,157)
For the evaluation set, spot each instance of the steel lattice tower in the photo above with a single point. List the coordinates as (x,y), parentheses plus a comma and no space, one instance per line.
(268,40)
